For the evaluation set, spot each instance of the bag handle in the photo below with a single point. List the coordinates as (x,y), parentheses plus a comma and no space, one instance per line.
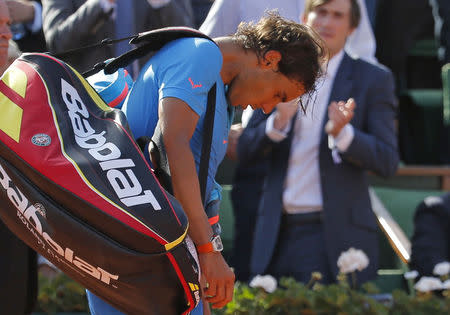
(146,42)
(151,41)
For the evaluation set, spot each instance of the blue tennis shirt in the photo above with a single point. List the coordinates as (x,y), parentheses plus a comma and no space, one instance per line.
(186,69)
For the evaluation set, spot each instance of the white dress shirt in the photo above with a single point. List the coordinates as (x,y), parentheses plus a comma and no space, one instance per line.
(302,190)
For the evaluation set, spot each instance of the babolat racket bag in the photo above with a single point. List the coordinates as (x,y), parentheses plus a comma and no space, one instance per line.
(75,187)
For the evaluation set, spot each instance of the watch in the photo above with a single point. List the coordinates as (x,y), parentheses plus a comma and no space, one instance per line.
(214,245)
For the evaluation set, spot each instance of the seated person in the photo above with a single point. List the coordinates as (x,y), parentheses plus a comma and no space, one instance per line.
(431,238)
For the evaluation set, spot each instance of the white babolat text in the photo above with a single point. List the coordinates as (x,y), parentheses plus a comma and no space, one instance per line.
(119,172)
(27,214)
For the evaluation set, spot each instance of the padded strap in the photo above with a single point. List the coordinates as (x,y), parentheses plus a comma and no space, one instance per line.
(159,156)
(151,41)
(208,130)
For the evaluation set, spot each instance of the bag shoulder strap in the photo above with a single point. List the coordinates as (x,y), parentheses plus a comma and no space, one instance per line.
(147,42)
(159,156)
(208,131)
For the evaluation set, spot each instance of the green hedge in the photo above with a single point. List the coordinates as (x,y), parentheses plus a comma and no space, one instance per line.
(64,295)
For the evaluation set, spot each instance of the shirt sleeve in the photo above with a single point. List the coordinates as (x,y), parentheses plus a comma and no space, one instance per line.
(275,134)
(345,138)
(190,75)
(223,18)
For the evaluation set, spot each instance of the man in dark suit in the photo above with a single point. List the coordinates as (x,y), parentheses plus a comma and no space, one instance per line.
(431,238)
(77,23)
(18,286)
(315,202)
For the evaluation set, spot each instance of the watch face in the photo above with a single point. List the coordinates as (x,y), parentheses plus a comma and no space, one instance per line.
(217,243)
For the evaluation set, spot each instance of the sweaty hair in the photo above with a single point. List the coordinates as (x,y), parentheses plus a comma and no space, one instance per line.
(355,12)
(302,51)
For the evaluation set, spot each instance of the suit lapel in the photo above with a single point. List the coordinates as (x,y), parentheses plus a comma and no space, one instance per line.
(342,87)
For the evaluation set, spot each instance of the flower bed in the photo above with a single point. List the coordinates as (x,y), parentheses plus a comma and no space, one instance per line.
(290,297)
(429,296)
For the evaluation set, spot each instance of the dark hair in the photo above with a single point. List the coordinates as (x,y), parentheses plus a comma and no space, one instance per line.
(302,50)
(355,12)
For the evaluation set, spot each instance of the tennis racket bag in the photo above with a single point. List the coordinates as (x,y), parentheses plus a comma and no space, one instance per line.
(76,188)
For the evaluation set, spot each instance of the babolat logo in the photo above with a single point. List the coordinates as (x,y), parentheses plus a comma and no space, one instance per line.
(119,172)
(34,220)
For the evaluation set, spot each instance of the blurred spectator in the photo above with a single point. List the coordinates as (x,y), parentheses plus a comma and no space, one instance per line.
(315,202)
(13,53)
(18,286)
(441,13)
(225,16)
(5,32)
(26,18)
(77,23)
(398,26)
(245,195)
(201,9)
(223,19)
(431,238)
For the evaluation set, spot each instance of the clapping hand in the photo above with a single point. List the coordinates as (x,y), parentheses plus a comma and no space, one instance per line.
(339,114)
(285,112)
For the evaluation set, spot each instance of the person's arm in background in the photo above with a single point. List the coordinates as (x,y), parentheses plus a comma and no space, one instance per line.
(264,132)
(65,26)
(223,18)
(27,12)
(178,123)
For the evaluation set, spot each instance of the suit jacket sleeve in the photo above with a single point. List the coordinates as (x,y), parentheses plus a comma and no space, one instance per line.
(253,143)
(66,25)
(374,147)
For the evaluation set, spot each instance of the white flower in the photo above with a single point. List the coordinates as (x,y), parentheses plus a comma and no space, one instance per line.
(446,285)
(410,275)
(268,283)
(426,284)
(433,201)
(442,268)
(352,260)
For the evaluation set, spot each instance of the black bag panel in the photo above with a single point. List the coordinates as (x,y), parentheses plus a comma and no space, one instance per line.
(133,255)
(86,212)
(91,258)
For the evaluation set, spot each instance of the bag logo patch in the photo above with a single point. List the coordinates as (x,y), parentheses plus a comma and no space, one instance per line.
(41,140)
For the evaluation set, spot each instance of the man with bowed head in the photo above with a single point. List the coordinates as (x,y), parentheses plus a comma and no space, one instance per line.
(263,64)
(315,202)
